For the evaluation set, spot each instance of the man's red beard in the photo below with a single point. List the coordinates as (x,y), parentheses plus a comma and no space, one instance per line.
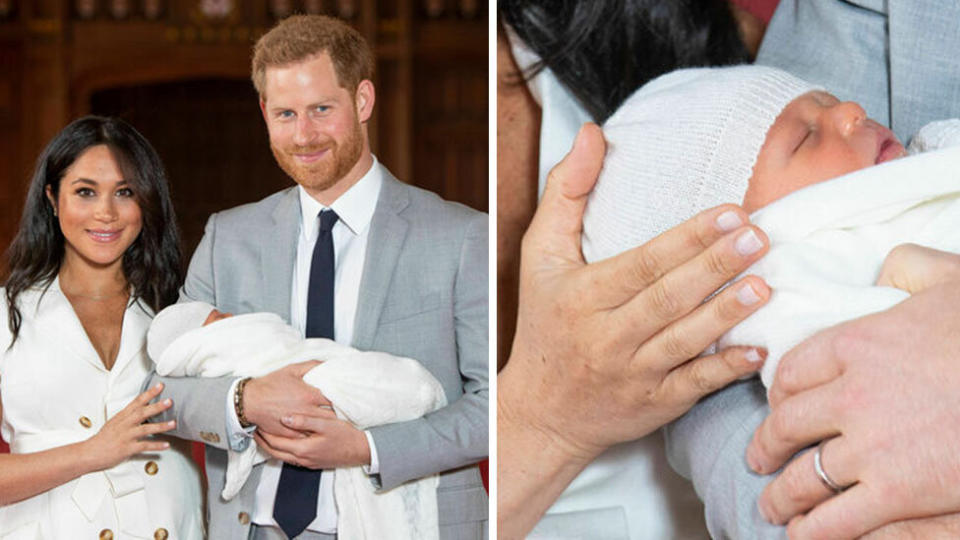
(325,173)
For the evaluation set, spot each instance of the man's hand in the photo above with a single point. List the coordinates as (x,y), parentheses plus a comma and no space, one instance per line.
(884,390)
(914,268)
(282,393)
(323,442)
(606,352)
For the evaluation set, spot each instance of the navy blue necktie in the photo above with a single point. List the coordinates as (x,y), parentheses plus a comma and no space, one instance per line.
(296,504)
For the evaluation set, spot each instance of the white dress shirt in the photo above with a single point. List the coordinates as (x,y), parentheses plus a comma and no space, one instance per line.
(350,233)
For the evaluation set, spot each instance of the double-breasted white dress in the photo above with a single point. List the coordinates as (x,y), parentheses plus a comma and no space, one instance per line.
(56,391)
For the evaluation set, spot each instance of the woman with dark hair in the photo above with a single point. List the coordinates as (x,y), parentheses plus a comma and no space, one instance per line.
(96,255)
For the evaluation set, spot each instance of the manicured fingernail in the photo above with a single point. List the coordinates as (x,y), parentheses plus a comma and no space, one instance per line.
(158,386)
(753,356)
(747,296)
(287,420)
(748,243)
(169,401)
(728,221)
(166,445)
(172,423)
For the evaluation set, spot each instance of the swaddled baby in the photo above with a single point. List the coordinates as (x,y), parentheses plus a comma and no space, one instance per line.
(365,388)
(754,135)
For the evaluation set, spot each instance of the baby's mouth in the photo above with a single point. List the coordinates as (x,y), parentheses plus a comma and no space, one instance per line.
(890,149)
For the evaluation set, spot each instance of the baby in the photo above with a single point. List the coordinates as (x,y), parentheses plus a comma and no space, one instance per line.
(697,138)
(193,339)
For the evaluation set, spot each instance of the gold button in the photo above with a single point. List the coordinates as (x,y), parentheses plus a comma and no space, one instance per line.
(244,518)
(106,534)
(160,534)
(85,422)
(151,468)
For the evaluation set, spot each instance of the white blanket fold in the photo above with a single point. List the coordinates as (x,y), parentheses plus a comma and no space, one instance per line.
(366,388)
(828,243)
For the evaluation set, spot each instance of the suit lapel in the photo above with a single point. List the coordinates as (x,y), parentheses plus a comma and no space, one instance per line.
(387,233)
(278,253)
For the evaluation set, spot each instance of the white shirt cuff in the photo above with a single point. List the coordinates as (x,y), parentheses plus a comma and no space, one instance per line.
(238,437)
(374,467)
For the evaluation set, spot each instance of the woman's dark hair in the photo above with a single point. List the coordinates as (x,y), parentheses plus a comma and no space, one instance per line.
(151,264)
(603,50)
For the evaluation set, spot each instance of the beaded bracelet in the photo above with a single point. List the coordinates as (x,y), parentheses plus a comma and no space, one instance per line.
(238,403)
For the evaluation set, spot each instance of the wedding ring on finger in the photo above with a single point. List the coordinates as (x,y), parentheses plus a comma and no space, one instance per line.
(822,474)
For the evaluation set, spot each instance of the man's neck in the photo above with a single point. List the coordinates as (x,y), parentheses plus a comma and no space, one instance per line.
(327,196)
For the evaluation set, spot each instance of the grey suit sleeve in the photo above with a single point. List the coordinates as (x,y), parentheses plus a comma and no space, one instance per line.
(198,403)
(708,446)
(455,435)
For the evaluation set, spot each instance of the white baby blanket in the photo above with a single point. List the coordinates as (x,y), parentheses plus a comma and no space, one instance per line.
(365,388)
(828,243)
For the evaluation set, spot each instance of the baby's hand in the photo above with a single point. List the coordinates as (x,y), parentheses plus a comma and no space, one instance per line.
(914,268)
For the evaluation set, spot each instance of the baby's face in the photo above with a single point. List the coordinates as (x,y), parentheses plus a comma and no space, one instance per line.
(215,316)
(816,137)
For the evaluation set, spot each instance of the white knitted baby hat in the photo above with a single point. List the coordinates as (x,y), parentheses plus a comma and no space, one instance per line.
(173,322)
(682,143)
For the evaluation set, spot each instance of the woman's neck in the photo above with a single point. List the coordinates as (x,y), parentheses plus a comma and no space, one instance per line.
(83,279)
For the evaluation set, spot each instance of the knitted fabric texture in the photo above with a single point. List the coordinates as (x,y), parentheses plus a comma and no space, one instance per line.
(682,143)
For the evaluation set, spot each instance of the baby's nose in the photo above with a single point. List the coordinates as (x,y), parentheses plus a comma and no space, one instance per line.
(847,116)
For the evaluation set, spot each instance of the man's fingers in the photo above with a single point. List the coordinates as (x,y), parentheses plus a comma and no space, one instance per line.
(689,336)
(263,443)
(313,424)
(796,423)
(558,221)
(798,488)
(301,368)
(812,363)
(279,430)
(682,290)
(703,376)
(946,526)
(850,514)
(625,275)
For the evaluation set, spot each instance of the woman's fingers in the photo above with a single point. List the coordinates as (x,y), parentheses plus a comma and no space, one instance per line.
(682,290)
(676,344)
(629,273)
(151,410)
(151,446)
(145,430)
(149,394)
(556,226)
(699,377)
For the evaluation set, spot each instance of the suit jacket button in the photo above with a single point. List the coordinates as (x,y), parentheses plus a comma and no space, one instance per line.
(85,422)
(106,534)
(244,518)
(151,468)
(161,534)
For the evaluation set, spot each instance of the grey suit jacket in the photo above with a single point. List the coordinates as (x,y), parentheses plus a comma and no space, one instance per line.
(897,58)
(423,295)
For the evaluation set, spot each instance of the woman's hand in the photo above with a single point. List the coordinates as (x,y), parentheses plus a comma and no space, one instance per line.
(126,434)
(603,351)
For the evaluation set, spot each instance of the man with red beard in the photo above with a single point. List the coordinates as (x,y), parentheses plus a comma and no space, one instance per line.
(350,254)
